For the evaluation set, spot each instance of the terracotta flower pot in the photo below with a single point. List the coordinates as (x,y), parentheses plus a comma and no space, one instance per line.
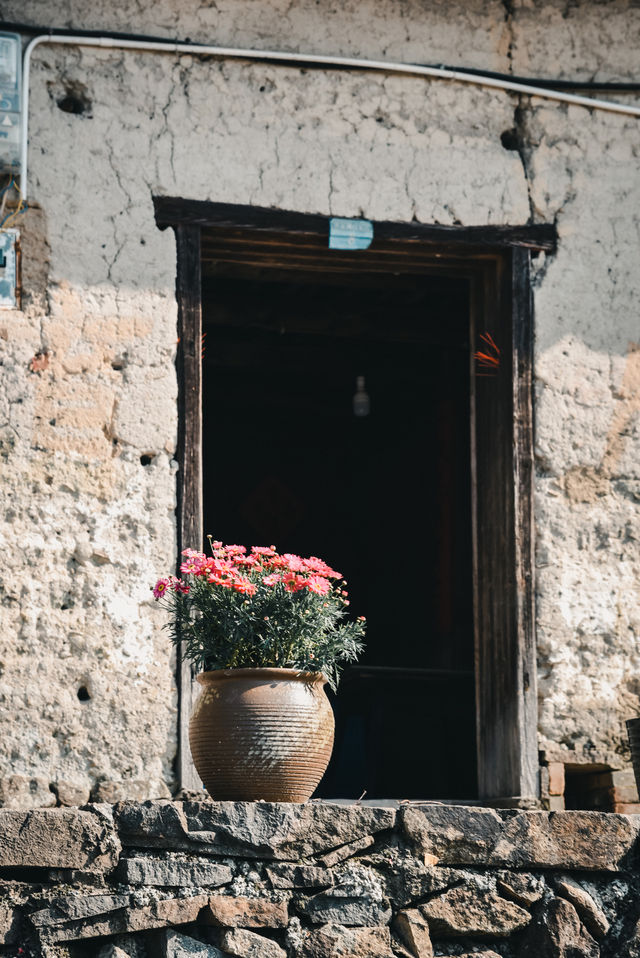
(261,734)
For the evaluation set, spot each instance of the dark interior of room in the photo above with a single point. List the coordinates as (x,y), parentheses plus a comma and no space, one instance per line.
(385,497)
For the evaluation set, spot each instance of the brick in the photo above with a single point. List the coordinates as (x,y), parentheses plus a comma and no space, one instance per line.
(556,778)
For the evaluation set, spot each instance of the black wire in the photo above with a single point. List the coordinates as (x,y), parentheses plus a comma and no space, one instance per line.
(627,86)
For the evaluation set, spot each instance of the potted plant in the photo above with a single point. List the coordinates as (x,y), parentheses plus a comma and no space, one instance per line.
(266,632)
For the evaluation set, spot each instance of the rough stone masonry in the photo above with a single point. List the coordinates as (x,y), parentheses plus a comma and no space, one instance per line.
(88,385)
(258,880)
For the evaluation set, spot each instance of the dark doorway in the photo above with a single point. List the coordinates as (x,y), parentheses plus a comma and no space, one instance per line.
(383,497)
(401,313)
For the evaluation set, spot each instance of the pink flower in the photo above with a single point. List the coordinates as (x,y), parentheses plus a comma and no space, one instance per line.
(293,582)
(272,579)
(235,550)
(318,584)
(314,564)
(160,588)
(294,562)
(222,567)
(263,550)
(179,586)
(243,585)
(217,580)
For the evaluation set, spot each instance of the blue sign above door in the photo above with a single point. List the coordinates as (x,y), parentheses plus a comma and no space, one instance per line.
(350,234)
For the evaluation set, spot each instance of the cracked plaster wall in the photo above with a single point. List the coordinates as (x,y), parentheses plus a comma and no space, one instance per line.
(88,525)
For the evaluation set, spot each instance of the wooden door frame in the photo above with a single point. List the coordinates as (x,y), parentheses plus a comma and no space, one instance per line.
(497,260)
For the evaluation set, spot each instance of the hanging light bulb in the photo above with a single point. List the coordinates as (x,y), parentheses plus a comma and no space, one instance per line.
(361,401)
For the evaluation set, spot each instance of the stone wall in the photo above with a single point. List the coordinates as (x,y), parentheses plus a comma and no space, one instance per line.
(87,395)
(258,880)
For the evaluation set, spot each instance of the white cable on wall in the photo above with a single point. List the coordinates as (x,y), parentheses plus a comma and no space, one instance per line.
(238,53)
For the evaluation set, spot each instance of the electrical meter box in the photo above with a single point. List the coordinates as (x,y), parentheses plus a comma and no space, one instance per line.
(10,102)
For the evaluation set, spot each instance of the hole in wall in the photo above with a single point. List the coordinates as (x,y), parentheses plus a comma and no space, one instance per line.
(74,99)
(510,139)
(588,787)
(83,693)
(146,460)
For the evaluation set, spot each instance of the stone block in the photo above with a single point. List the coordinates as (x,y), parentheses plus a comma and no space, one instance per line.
(591,914)
(113,951)
(413,929)
(469,911)
(70,794)
(287,832)
(284,875)
(336,941)
(173,871)
(76,908)
(130,918)
(9,922)
(406,878)
(348,904)
(462,835)
(558,933)
(57,838)
(520,887)
(237,912)
(175,945)
(247,944)
(346,851)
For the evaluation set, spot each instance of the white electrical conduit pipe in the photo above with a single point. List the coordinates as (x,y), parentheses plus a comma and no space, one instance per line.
(381,66)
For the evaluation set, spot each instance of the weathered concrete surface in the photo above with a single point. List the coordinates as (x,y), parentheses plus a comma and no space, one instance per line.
(88,525)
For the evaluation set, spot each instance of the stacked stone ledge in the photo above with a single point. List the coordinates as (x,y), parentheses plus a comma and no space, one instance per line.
(258,880)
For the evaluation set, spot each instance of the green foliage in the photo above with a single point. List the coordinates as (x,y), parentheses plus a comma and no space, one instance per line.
(233,619)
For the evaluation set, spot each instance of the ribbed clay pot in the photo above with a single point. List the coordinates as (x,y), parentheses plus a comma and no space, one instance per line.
(261,734)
